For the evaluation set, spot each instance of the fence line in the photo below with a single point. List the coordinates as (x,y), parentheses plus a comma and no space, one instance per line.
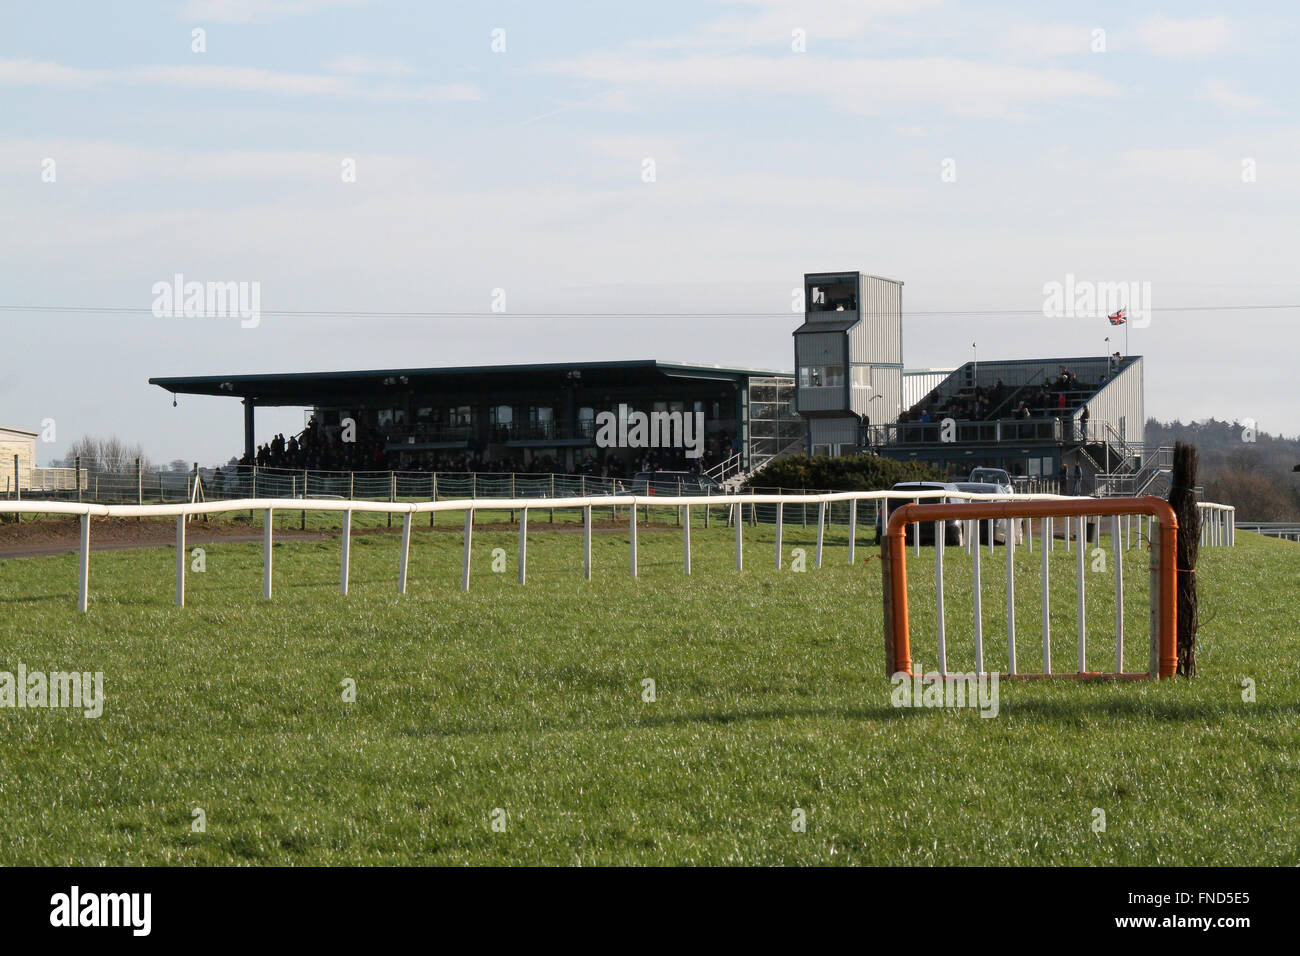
(736,504)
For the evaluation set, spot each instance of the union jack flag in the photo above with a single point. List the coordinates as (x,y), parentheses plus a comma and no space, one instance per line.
(1120,317)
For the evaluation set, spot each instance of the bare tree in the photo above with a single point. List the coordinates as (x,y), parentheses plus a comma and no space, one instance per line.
(109,456)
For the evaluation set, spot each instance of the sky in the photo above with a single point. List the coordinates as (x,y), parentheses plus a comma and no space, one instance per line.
(632,181)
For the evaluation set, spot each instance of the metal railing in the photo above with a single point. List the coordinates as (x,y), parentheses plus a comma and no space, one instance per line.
(735,504)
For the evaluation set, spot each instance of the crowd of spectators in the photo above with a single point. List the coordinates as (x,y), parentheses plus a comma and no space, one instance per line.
(323,449)
(1053,397)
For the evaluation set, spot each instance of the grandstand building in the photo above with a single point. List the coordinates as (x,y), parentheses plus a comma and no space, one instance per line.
(522,413)
(849,393)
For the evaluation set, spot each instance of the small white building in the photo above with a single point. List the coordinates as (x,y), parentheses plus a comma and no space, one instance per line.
(21,443)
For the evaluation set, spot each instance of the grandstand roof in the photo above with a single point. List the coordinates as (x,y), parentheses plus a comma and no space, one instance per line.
(309,388)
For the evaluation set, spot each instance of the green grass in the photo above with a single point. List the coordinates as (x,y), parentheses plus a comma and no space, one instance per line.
(771,697)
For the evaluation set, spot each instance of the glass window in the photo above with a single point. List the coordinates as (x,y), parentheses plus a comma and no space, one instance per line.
(821,376)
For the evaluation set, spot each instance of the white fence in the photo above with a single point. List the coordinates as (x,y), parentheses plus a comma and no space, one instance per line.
(737,503)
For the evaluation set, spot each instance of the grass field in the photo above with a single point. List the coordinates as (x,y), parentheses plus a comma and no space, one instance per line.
(770,690)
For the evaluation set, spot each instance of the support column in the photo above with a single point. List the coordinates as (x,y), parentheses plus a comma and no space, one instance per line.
(248,428)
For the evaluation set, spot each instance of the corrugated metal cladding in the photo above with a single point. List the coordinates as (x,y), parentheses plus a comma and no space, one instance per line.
(821,399)
(878,338)
(818,348)
(1120,403)
(834,431)
(887,382)
(920,383)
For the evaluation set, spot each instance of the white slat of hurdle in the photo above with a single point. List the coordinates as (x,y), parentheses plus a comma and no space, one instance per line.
(586,542)
(1079,586)
(1046,596)
(347,553)
(1119,595)
(740,540)
(83,566)
(631,527)
(821,530)
(979,623)
(469,536)
(267,532)
(1010,545)
(780,520)
(916,532)
(938,576)
(523,546)
(686,537)
(404,564)
(180,560)
(1066,529)
(853,529)
(992,525)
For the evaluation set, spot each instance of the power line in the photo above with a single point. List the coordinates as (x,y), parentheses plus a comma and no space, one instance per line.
(373,314)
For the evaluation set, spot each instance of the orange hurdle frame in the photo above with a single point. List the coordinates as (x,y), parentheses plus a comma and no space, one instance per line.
(1164,606)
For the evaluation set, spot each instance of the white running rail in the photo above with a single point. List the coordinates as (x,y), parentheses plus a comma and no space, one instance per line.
(1222,523)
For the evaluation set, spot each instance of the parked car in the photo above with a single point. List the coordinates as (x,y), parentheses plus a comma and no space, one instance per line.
(952,533)
(1001,526)
(992,476)
(672,483)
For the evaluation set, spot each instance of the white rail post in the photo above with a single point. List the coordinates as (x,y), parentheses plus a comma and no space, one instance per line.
(1066,529)
(853,529)
(979,614)
(347,548)
(1046,527)
(267,527)
(469,536)
(740,546)
(406,552)
(586,542)
(938,581)
(632,532)
(780,515)
(821,530)
(1029,535)
(1080,587)
(180,560)
(686,536)
(1010,545)
(83,562)
(916,532)
(1119,594)
(523,544)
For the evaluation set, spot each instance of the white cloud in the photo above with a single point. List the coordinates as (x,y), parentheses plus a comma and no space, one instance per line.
(1219,91)
(1048,39)
(360,65)
(236,78)
(856,85)
(1165,36)
(259,11)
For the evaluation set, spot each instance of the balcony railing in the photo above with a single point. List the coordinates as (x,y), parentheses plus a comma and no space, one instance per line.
(1003,431)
